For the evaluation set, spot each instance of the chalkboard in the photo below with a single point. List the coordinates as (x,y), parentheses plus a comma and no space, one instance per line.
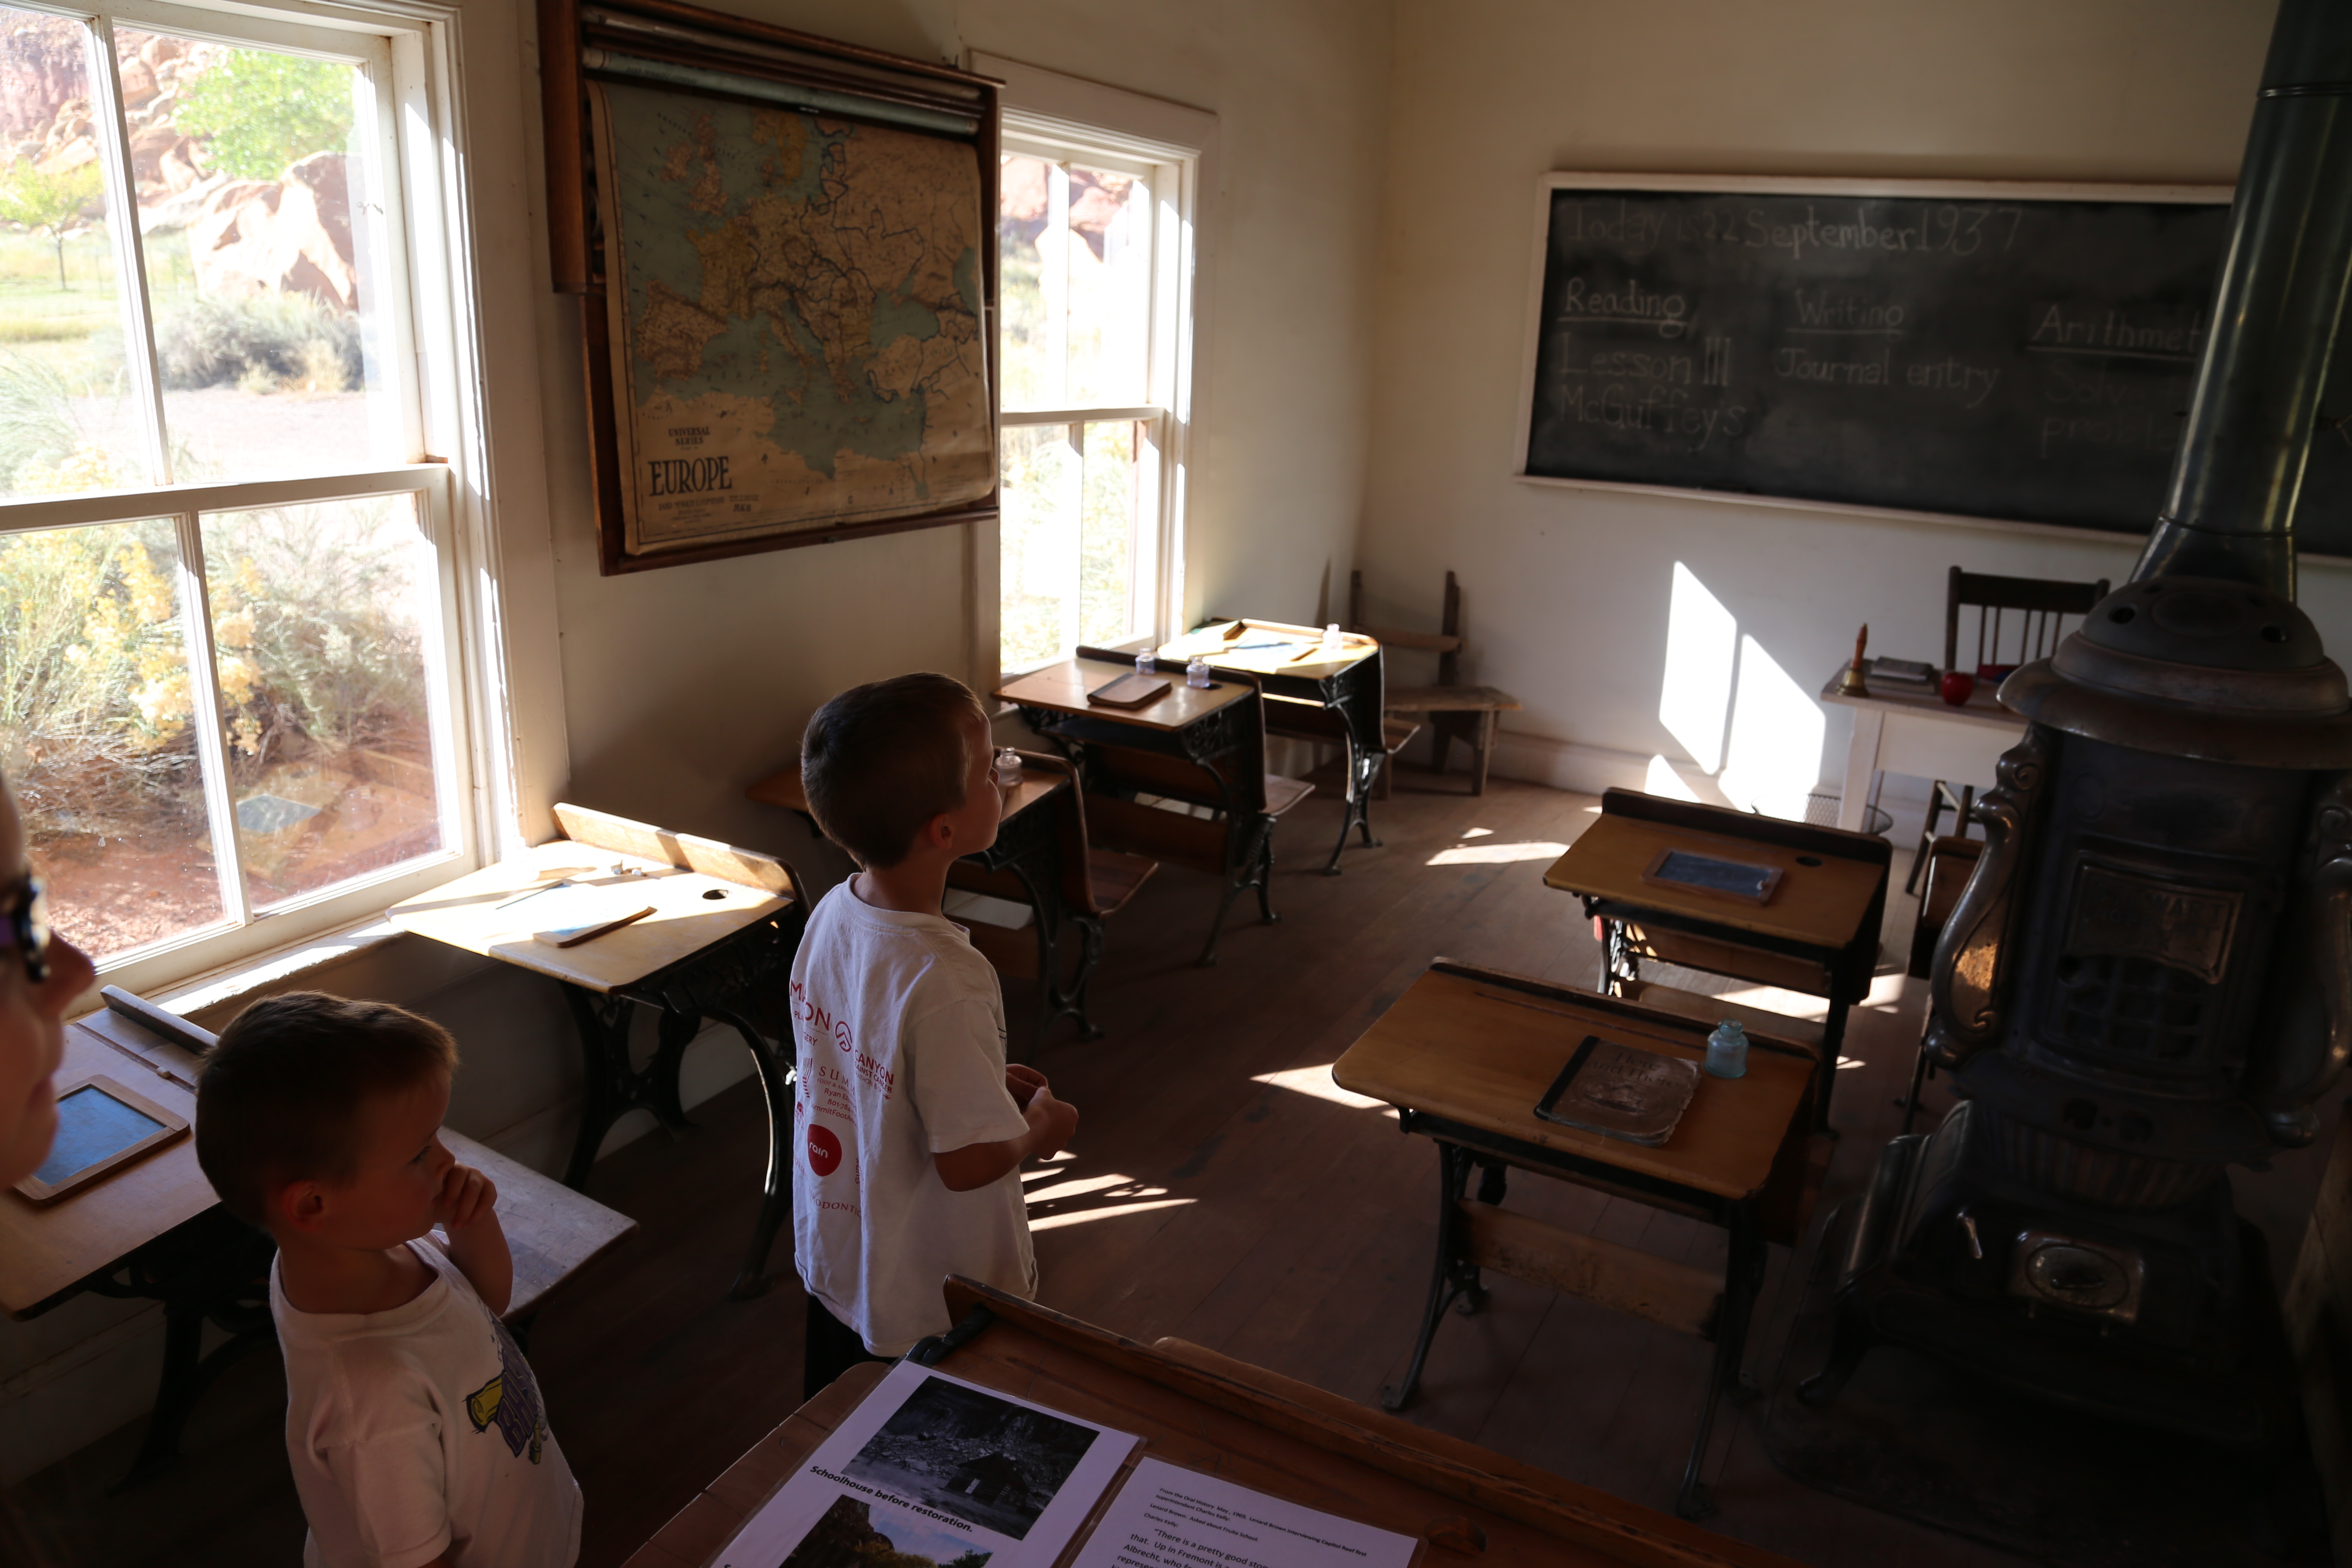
(2015,353)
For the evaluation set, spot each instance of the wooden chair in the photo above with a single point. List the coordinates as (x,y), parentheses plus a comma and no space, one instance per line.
(1454,711)
(2039,606)
(1234,843)
(1096,884)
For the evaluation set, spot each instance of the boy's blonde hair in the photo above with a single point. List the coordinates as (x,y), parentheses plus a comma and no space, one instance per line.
(881,760)
(279,1097)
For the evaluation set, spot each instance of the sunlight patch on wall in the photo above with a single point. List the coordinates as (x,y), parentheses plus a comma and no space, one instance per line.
(1661,779)
(1776,738)
(1701,641)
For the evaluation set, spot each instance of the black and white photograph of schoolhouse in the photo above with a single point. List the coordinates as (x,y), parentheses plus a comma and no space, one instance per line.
(763,688)
(967,1453)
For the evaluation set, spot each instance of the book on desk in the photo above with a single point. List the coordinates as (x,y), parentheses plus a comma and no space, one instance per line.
(1621,1092)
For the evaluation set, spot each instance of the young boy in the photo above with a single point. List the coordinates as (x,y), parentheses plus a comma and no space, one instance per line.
(413,1422)
(911,1126)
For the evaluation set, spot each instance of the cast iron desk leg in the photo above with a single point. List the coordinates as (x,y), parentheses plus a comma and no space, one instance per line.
(216,1268)
(776,1199)
(609,1087)
(1364,762)
(1743,1276)
(1832,1048)
(1455,1276)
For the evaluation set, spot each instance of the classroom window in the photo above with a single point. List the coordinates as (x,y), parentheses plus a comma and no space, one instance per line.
(227,681)
(1093,247)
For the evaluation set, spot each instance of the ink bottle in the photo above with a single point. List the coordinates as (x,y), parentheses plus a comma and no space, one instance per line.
(1727,1050)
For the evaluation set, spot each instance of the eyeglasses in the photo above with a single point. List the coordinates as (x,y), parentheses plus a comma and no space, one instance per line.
(25,926)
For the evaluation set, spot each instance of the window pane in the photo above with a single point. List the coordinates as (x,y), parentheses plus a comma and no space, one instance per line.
(247,166)
(95,733)
(67,419)
(1031,376)
(1040,553)
(1075,285)
(1109,252)
(1107,544)
(321,620)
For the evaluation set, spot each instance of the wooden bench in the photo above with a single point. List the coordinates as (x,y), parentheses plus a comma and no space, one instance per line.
(1453,711)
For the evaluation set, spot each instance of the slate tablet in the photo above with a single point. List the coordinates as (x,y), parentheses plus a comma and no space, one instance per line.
(100,1125)
(1710,874)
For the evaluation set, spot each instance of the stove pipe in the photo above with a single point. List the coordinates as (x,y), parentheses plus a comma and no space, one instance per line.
(2230,510)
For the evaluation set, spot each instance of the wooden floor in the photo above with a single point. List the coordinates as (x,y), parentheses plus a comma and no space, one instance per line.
(1220,1189)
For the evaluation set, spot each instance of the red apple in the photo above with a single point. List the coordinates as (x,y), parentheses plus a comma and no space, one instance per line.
(1959,687)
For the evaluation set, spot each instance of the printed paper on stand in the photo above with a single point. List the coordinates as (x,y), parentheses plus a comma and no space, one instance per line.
(1169,1518)
(935,1468)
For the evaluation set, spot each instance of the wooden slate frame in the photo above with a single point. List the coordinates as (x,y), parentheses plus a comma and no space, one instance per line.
(172,1124)
(680,34)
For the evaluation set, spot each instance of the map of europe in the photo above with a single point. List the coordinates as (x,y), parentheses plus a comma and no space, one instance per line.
(796,318)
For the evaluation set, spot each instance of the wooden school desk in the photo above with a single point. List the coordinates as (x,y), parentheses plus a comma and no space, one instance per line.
(1208,1413)
(152,1229)
(1215,736)
(1197,722)
(1817,933)
(1906,730)
(719,944)
(1348,686)
(1029,848)
(1466,1055)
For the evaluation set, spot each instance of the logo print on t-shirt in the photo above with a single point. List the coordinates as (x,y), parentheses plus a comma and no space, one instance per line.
(511,1400)
(823,1150)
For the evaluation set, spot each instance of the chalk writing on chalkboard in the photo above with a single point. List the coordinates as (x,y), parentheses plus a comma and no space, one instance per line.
(2020,353)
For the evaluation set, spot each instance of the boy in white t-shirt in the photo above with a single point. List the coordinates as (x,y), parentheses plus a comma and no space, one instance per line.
(413,1423)
(912,1129)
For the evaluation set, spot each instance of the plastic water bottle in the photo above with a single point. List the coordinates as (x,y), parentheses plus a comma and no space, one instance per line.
(1146,662)
(1727,1050)
(1331,642)
(1196,674)
(1008,768)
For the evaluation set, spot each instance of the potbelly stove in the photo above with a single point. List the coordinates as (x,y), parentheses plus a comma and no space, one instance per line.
(2148,978)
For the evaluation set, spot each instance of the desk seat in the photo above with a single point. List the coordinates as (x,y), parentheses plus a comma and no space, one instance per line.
(1450,700)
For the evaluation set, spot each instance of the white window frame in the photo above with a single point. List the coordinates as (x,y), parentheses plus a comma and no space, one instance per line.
(434,359)
(1049,115)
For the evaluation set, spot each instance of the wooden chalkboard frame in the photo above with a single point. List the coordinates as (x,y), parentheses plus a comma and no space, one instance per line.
(680,34)
(1805,186)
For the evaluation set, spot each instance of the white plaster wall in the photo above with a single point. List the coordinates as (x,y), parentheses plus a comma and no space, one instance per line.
(1568,589)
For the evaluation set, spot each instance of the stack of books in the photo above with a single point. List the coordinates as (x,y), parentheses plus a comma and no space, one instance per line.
(1899,672)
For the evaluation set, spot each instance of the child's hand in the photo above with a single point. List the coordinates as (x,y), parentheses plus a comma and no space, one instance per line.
(1022,1083)
(1051,1123)
(465,1196)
